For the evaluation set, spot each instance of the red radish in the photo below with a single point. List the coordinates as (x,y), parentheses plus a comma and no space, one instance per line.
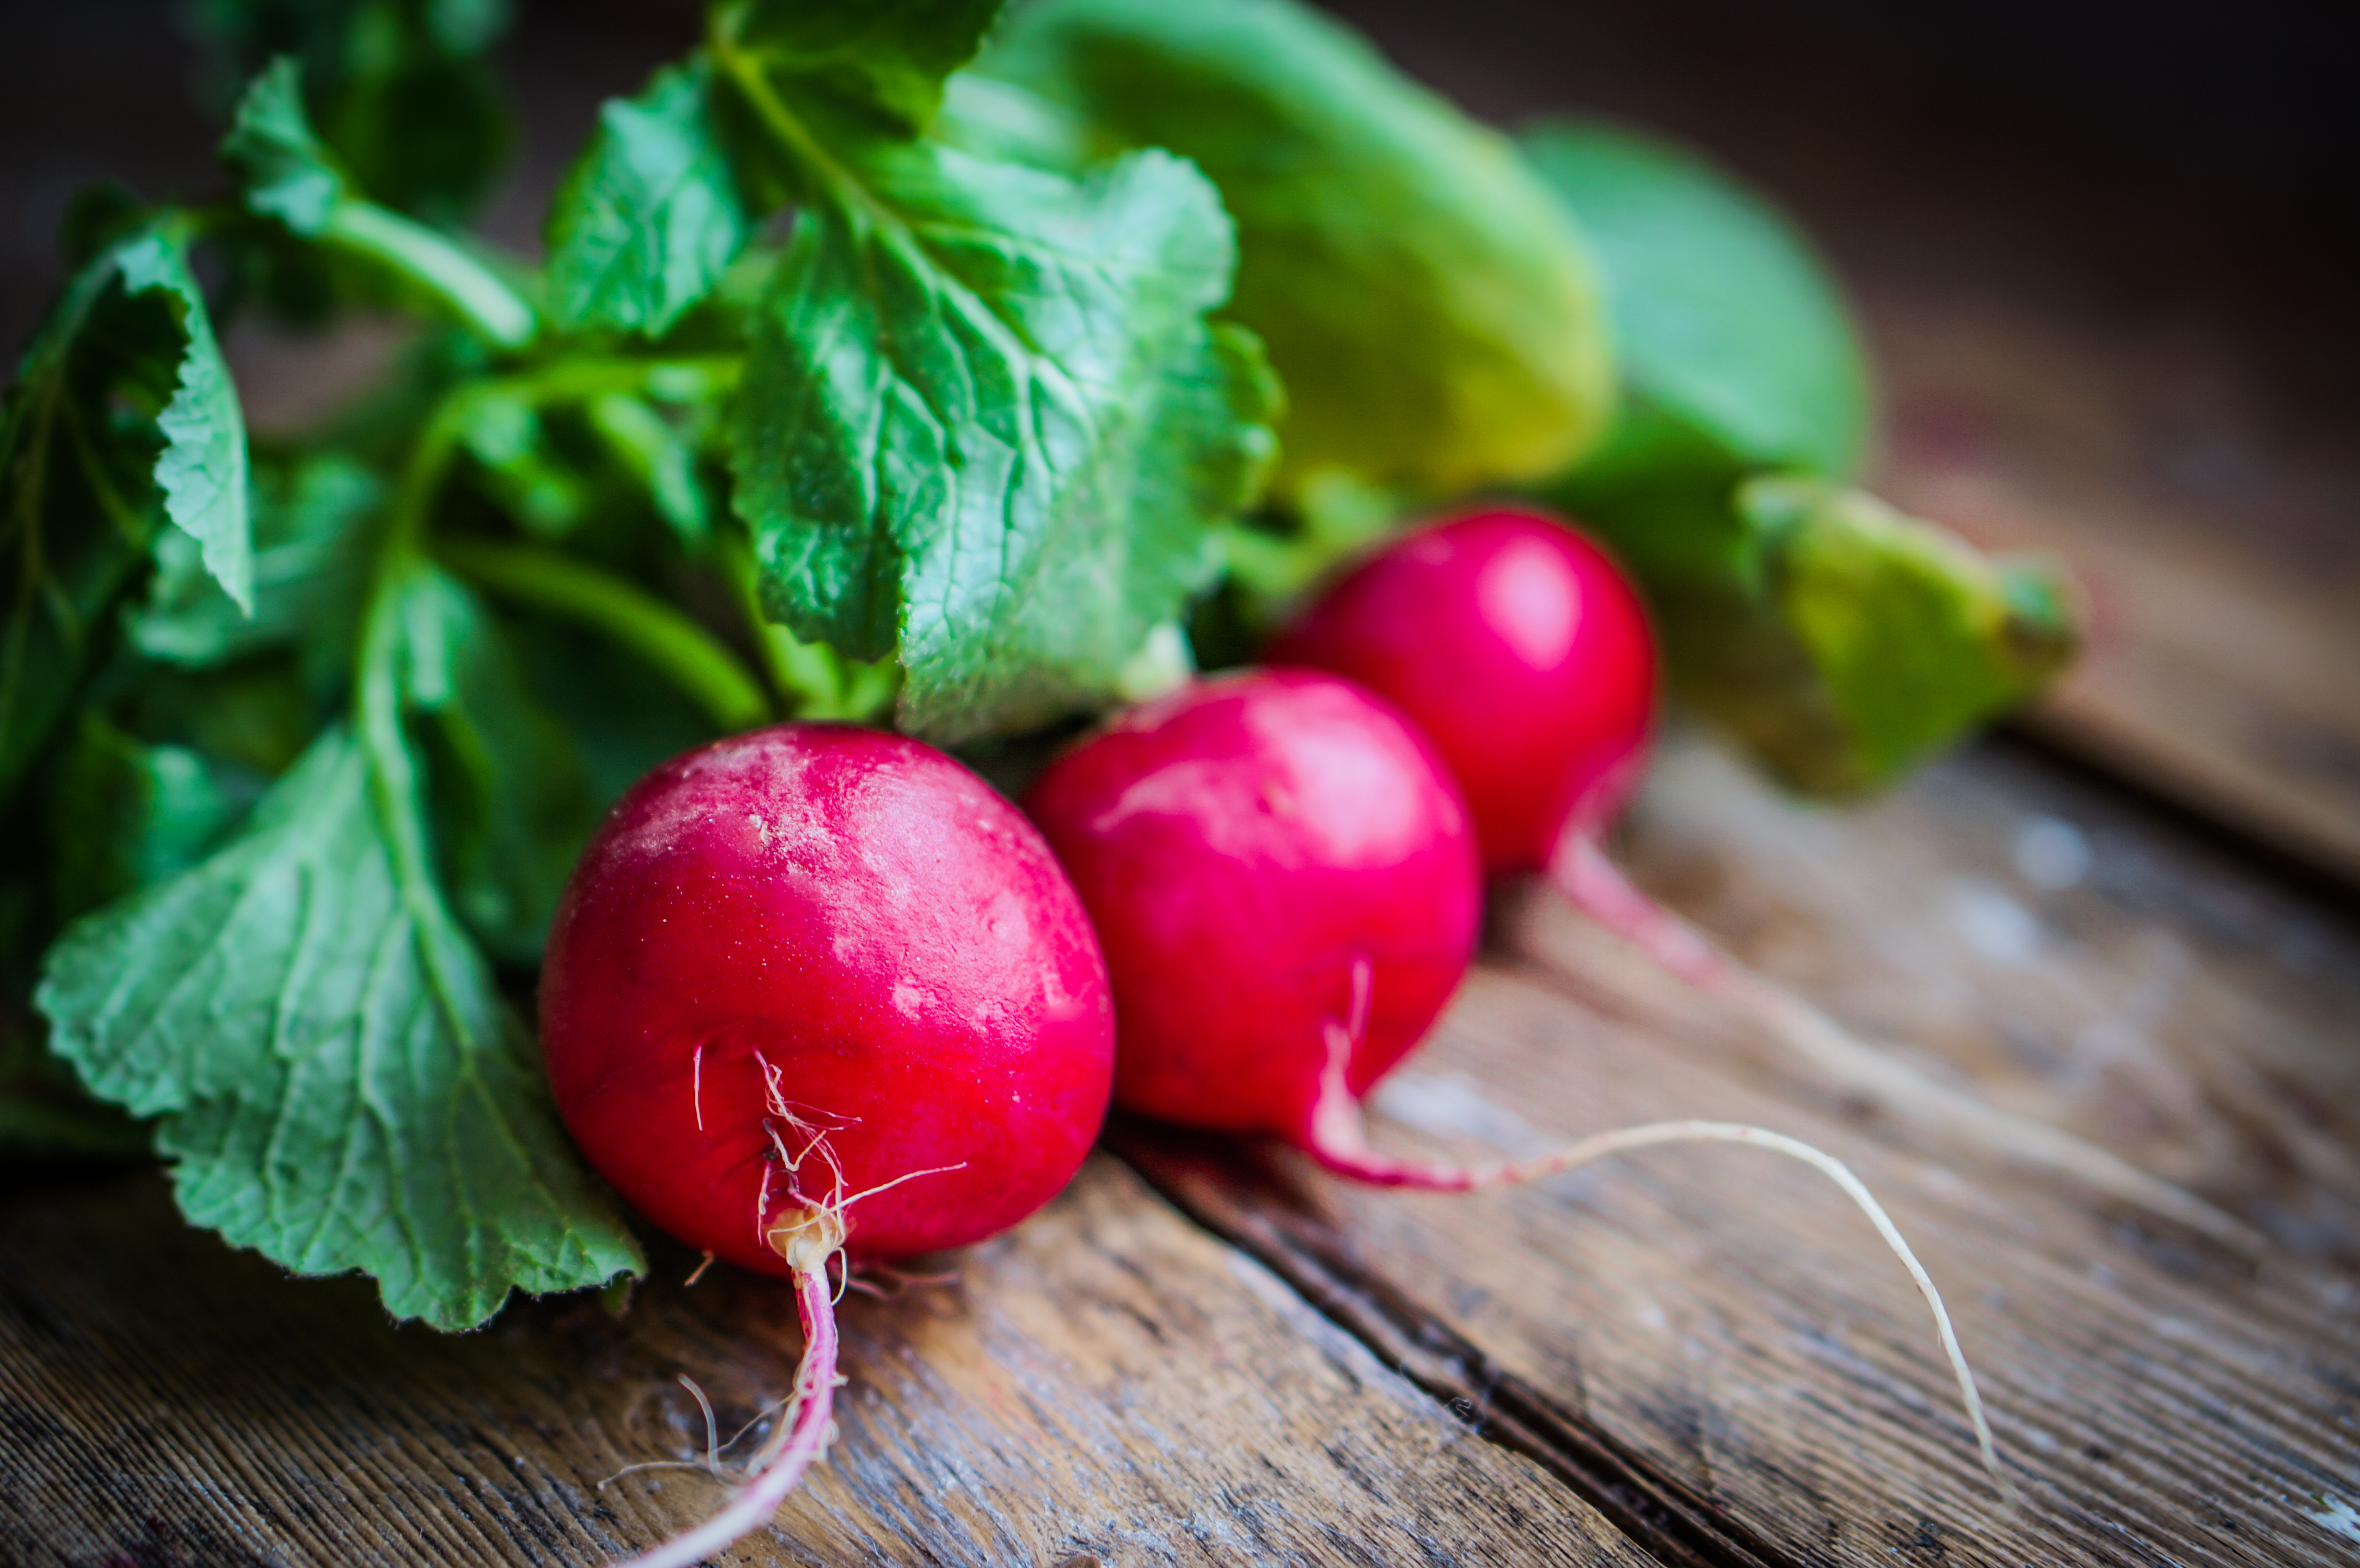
(817,993)
(1521,649)
(1262,856)
(1286,885)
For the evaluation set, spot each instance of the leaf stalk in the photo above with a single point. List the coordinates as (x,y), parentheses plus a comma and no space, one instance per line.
(692,658)
(472,292)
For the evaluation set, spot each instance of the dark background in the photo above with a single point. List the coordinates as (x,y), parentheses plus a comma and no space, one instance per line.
(2113,158)
(2175,188)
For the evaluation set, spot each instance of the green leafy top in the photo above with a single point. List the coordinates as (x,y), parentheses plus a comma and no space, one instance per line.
(311,520)
(123,414)
(860,68)
(289,174)
(652,213)
(340,1085)
(1433,315)
(1911,635)
(297,745)
(675,182)
(202,469)
(1842,641)
(985,420)
(985,426)
(1725,317)
(402,88)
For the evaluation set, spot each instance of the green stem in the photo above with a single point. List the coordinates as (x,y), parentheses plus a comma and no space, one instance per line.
(666,380)
(790,677)
(474,293)
(692,658)
(377,693)
(794,138)
(377,698)
(815,680)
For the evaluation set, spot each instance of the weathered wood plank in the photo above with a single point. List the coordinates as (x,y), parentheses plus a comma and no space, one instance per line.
(1731,1323)
(1107,1382)
(1726,1332)
(2225,668)
(2015,935)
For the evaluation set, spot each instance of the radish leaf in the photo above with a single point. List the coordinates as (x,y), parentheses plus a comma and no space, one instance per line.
(126,815)
(1911,635)
(984,422)
(652,213)
(202,468)
(1843,642)
(287,173)
(1433,316)
(513,803)
(1725,317)
(863,66)
(340,1086)
(123,391)
(310,530)
(401,87)
(984,417)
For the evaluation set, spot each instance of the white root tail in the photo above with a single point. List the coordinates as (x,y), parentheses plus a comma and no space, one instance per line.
(809,1237)
(794,1449)
(1337,1139)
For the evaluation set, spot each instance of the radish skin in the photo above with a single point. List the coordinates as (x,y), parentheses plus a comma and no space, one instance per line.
(1260,853)
(1255,852)
(1519,649)
(818,996)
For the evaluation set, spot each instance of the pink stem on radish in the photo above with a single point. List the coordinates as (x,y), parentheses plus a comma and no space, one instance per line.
(1579,869)
(795,1449)
(1337,1139)
(1594,885)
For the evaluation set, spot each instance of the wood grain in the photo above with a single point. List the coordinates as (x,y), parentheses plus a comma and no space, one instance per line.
(1731,1325)
(1108,1383)
(1719,1340)
(2028,941)
(2214,540)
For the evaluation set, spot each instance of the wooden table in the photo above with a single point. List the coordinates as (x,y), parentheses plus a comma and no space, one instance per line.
(1208,1354)
(2132,922)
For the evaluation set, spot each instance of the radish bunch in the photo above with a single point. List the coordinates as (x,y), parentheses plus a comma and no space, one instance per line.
(1286,873)
(817,993)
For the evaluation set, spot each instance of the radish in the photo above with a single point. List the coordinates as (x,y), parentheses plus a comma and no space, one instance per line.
(1263,855)
(816,994)
(1518,645)
(1520,649)
(1286,883)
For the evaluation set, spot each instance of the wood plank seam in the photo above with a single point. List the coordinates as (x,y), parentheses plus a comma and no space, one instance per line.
(1660,1514)
(2283,862)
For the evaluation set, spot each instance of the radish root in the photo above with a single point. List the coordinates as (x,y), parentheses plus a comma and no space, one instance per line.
(800,1441)
(809,1237)
(1595,885)
(1339,1140)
